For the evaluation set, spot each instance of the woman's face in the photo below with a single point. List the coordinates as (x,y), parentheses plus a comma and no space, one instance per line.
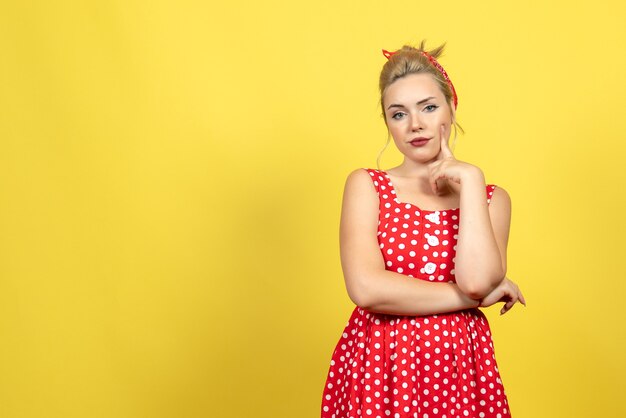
(415,107)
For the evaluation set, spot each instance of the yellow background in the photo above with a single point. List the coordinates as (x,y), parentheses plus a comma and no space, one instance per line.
(171,176)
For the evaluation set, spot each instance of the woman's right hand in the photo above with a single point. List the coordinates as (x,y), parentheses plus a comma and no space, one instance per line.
(507,292)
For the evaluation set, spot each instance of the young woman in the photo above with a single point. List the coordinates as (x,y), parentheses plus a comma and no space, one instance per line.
(423,246)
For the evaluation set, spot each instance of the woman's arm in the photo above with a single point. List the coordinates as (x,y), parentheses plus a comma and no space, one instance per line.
(506,291)
(480,263)
(368,283)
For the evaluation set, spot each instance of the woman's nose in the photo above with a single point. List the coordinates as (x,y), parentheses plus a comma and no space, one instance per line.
(416,122)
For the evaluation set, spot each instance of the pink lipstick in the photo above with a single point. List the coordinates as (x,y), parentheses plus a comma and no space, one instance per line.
(418,142)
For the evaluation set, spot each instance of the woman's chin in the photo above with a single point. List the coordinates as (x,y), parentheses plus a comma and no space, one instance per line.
(422,158)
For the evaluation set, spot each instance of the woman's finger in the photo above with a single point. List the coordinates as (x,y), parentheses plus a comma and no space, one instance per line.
(511,299)
(521,298)
(446,152)
(434,176)
(507,306)
(504,309)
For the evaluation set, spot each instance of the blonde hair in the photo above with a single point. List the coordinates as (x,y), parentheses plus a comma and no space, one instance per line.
(409,60)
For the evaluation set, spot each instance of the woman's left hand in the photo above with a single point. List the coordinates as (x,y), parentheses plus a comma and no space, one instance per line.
(506,291)
(446,166)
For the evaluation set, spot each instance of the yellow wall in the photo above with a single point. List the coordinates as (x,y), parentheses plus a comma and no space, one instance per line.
(170,187)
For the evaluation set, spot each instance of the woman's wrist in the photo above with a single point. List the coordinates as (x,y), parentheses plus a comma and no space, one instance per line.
(466,300)
(474,303)
(474,176)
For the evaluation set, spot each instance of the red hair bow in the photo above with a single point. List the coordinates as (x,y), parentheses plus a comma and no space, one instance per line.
(437,65)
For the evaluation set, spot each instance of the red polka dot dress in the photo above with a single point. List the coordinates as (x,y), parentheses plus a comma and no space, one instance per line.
(431,366)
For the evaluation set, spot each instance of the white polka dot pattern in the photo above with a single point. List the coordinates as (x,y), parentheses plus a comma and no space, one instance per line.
(432,366)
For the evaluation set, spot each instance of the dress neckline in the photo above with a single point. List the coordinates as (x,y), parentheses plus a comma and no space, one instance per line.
(395,198)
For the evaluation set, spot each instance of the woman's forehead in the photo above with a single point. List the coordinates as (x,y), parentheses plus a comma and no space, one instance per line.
(413,87)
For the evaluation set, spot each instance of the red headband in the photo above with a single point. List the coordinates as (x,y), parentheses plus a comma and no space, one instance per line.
(438,66)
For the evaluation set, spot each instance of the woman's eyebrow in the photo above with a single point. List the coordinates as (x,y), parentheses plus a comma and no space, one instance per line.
(418,103)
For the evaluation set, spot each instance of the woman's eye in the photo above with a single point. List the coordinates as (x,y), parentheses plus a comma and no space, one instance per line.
(432,106)
(396,114)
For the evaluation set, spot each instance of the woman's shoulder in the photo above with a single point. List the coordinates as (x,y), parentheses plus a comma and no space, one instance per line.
(363,178)
(366,172)
(360,194)
(371,171)
(498,193)
(362,174)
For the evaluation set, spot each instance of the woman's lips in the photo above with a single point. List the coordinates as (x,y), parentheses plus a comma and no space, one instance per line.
(419,142)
